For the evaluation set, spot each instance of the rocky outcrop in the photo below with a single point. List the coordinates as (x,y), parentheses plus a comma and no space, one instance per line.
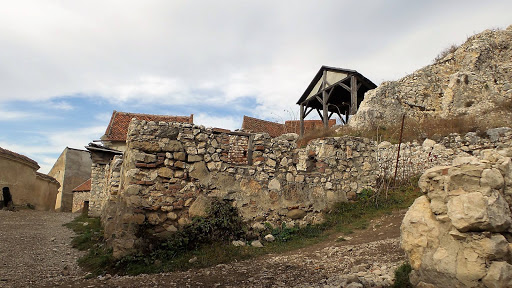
(475,79)
(458,233)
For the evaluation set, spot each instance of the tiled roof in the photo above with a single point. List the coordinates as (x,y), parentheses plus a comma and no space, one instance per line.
(13,155)
(256,125)
(84,187)
(274,129)
(118,126)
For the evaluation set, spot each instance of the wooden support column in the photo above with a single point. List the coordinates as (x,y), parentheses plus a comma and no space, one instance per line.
(353,95)
(302,120)
(325,117)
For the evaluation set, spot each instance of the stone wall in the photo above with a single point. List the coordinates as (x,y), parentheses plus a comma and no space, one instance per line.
(99,194)
(415,158)
(458,233)
(78,200)
(171,170)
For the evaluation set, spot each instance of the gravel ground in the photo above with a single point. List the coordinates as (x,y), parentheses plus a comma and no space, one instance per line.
(35,248)
(39,255)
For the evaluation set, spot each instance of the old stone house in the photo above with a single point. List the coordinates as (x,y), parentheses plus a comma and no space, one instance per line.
(22,185)
(81,196)
(72,168)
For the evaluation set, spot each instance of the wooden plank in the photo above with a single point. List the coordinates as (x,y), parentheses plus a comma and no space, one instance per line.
(353,95)
(345,86)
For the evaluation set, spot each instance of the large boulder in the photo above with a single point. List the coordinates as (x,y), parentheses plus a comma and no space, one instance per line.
(456,234)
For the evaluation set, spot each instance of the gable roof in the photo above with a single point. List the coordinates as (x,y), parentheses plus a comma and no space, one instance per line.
(18,157)
(366,82)
(119,122)
(84,187)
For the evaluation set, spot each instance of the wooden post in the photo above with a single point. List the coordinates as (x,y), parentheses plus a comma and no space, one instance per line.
(353,95)
(301,120)
(325,117)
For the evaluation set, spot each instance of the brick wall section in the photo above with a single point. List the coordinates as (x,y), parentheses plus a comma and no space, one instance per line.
(293,126)
(255,125)
(274,129)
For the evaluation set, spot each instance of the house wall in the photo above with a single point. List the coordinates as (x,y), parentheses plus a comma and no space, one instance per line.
(57,172)
(20,178)
(78,200)
(169,169)
(45,194)
(71,169)
(25,186)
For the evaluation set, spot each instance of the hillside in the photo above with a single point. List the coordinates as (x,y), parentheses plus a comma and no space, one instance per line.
(474,79)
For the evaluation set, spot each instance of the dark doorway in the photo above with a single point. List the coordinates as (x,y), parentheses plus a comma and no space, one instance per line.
(85,209)
(7,197)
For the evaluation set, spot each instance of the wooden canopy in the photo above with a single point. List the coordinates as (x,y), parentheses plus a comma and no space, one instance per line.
(333,90)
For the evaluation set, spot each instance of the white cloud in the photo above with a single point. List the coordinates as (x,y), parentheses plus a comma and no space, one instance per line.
(226,122)
(47,150)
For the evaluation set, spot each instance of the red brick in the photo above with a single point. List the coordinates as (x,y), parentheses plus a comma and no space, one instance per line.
(140,165)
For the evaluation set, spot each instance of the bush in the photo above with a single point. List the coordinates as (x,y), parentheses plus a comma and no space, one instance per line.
(402,276)
(445,53)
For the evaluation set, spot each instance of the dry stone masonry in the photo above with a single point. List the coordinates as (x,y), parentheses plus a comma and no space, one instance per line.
(170,171)
(458,233)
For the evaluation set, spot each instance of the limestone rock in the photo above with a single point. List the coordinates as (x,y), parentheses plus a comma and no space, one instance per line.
(499,275)
(296,214)
(476,212)
(200,207)
(256,243)
(270,238)
(460,84)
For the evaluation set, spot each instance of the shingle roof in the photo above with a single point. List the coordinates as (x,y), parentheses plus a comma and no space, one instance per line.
(118,126)
(84,187)
(15,156)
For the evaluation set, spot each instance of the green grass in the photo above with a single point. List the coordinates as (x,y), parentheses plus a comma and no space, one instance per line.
(402,276)
(192,242)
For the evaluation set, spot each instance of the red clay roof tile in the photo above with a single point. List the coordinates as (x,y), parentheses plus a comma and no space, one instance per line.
(84,187)
(118,126)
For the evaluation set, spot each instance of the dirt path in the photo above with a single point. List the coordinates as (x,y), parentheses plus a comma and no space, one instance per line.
(39,255)
(369,257)
(35,248)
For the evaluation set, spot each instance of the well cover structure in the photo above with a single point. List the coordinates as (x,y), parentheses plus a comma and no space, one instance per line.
(333,90)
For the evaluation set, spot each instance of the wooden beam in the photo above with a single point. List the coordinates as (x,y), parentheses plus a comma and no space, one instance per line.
(302,115)
(320,114)
(359,85)
(324,82)
(353,95)
(345,86)
(324,108)
(341,118)
(306,111)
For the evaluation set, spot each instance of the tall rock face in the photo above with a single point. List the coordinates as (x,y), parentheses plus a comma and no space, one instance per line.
(459,233)
(475,79)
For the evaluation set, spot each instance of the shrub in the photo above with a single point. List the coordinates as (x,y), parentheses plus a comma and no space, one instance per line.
(445,53)
(402,276)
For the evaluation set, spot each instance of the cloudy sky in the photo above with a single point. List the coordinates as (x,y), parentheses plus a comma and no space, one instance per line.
(65,65)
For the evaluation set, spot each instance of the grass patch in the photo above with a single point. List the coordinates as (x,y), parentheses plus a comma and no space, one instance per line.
(207,241)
